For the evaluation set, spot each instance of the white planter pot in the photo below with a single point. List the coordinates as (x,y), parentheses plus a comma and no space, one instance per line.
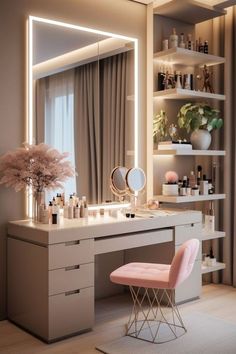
(170,189)
(200,139)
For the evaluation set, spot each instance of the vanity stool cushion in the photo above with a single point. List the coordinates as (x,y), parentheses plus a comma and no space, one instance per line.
(147,275)
(162,276)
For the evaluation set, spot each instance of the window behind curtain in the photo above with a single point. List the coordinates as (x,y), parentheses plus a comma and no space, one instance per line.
(59,119)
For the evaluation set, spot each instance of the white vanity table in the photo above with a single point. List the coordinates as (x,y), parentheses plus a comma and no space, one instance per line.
(51,268)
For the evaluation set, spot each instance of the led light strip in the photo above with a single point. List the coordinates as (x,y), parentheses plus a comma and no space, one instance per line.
(30,123)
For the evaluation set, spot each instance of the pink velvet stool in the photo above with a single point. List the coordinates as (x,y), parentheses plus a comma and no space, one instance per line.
(151,285)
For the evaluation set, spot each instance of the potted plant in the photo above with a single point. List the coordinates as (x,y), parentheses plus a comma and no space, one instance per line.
(201,119)
(170,187)
(160,126)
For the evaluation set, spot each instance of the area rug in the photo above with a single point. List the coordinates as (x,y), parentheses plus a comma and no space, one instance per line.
(205,335)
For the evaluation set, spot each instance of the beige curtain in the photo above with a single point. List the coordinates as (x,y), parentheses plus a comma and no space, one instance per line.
(224,42)
(100,124)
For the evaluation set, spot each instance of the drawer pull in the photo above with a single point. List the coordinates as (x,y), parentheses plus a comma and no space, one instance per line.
(72,243)
(72,267)
(73,292)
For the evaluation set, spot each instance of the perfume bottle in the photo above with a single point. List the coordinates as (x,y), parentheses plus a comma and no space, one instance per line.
(173,41)
(210,218)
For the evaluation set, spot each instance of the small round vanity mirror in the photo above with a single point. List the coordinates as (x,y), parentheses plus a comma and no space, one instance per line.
(118,181)
(135,180)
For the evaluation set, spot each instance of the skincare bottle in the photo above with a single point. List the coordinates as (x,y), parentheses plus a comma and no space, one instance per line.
(204,187)
(212,259)
(66,211)
(50,210)
(85,206)
(182,43)
(199,174)
(195,191)
(210,219)
(192,179)
(189,42)
(82,209)
(178,80)
(205,49)
(71,208)
(77,211)
(54,214)
(201,46)
(45,216)
(173,39)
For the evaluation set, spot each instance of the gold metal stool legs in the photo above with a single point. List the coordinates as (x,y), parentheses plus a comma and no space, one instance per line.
(151,321)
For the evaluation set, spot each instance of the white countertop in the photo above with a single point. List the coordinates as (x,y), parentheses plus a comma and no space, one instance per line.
(100,226)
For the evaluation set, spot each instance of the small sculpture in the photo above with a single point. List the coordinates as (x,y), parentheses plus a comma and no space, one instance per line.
(207,77)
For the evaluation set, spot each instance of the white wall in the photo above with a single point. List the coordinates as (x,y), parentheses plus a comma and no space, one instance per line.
(118,16)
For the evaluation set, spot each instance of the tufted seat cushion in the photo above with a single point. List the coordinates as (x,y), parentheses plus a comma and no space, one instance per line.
(147,275)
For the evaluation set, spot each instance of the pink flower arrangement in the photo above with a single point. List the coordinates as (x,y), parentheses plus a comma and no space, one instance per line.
(37,166)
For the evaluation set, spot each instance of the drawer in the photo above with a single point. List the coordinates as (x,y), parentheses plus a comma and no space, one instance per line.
(71,278)
(186,232)
(132,240)
(71,312)
(72,253)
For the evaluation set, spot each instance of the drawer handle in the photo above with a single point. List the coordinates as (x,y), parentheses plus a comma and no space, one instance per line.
(73,292)
(72,267)
(72,243)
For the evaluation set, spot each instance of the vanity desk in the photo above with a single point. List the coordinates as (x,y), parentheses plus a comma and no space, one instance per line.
(51,267)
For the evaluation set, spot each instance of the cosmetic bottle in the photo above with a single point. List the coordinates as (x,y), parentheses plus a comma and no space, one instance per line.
(205,48)
(84,200)
(212,260)
(199,174)
(189,42)
(178,80)
(50,210)
(66,211)
(192,179)
(77,211)
(182,43)
(45,216)
(195,191)
(188,190)
(201,46)
(82,209)
(165,44)
(204,189)
(55,216)
(210,218)
(173,41)
(70,212)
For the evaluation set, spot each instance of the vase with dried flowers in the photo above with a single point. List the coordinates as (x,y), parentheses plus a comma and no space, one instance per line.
(39,167)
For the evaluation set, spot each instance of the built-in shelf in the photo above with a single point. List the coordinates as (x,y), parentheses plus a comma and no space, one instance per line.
(208,269)
(190,57)
(188,198)
(184,152)
(206,235)
(189,11)
(177,93)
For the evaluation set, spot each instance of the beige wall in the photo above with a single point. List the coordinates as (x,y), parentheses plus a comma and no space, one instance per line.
(118,16)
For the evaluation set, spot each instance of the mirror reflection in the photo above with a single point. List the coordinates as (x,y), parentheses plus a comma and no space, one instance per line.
(83,103)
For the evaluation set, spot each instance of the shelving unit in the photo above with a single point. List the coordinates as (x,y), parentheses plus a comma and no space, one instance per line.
(189,11)
(183,94)
(188,199)
(182,15)
(207,269)
(185,152)
(212,235)
(176,56)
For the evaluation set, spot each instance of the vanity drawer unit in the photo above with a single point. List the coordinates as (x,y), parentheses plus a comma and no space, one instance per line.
(50,293)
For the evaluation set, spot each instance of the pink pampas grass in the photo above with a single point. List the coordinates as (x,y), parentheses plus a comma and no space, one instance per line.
(171,177)
(37,166)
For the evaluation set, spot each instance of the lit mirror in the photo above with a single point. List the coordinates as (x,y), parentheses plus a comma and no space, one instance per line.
(118,181)
(83,100)
(135,179)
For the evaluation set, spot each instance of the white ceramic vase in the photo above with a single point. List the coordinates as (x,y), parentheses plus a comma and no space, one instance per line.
(200,139)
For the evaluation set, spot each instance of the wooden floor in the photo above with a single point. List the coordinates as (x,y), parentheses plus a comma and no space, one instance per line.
(111,314)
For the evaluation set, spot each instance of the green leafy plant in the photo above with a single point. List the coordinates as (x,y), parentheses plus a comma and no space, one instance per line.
(160,126)
(193,116)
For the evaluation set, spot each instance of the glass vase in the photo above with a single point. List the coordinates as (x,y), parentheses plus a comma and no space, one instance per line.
(38,201)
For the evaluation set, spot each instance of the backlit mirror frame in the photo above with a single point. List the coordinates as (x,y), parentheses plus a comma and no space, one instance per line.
(29,94)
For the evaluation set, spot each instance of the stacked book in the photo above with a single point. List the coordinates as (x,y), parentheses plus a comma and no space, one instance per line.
(174,145)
